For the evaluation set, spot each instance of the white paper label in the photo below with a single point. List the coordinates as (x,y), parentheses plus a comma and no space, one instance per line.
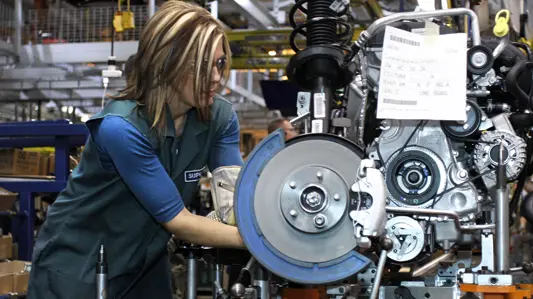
(337,6)
(422,80)
(317,125)
(302,102)
(319,105)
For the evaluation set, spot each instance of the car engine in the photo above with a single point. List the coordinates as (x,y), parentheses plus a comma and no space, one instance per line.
(440,165)
(392,208)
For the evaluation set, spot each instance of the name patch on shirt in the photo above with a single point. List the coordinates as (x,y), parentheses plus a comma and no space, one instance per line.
(193,175)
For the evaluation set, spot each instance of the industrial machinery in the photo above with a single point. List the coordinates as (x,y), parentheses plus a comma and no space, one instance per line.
(392,208)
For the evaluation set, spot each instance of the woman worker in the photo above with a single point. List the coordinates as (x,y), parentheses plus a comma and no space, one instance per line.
(141,165)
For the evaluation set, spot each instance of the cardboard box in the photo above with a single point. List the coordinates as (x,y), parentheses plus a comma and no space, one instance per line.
(19,162)
(15,253)
(43,165)
(7,199)
(6,247)
(14,277)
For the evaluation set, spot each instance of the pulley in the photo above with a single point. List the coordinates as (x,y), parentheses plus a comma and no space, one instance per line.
(291,207)
(479,60)
(455,129)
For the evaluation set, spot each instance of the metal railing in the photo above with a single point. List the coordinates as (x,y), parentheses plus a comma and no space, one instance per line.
(80,25)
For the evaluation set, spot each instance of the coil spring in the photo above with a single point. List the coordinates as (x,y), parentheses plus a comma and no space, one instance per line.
(323,26)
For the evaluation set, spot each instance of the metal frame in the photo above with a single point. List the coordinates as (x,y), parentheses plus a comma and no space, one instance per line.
(60,134)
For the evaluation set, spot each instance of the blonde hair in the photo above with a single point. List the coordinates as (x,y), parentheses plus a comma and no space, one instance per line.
(179,42)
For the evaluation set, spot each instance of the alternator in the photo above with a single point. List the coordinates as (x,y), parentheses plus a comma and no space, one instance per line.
(486,153)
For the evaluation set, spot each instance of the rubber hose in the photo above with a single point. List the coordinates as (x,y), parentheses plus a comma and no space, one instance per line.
(511,82)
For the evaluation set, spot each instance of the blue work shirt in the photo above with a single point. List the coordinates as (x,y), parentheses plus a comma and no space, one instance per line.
(135,159)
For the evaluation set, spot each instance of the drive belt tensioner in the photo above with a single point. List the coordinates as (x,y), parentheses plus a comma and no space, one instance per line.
(291,207)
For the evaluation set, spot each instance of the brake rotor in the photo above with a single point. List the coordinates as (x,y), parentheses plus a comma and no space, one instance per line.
(291,207)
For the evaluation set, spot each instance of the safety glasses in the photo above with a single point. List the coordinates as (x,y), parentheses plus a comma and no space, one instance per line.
(220,64)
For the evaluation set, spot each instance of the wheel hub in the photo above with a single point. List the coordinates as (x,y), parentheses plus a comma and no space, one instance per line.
(291,207)
(311,190)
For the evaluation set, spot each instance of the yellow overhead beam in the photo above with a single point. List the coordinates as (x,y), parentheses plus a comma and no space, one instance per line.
(276,35)
(256,45)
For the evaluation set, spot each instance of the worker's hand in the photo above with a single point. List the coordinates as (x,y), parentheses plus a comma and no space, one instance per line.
(222,190)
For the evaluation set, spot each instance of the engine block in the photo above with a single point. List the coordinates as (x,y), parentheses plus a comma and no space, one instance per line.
(364,196)
(423,170)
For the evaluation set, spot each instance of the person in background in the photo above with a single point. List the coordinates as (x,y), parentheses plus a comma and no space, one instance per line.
(141,165)
(290,131)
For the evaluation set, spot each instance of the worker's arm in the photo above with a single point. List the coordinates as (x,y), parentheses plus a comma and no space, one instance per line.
(135,160)
(226,150)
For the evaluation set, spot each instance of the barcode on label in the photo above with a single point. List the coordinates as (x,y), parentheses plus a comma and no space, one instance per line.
(399,102)
(317,126)
(404,41)
(336,5)
(319,105)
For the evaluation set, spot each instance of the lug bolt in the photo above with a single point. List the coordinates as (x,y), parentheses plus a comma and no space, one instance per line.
(293,213)
(292,185)
(319,175)
(336,197)
(313,199)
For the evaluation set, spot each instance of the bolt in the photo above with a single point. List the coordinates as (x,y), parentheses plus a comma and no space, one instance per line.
(468,108)
(336,197)
(465,126)
(462,174)
(479,59)
(313,199)
(319,175)
(292,185)
(320,220)
(293,213)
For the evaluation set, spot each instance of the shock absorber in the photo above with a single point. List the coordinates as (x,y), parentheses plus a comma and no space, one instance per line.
(324,64)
